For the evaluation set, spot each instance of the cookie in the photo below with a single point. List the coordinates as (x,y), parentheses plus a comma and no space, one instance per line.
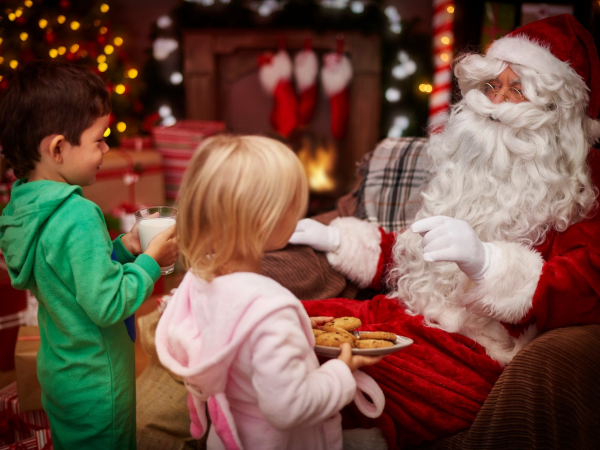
(329,327)
(317,332)
(385,335)
(333,339)
(347,323)
(373,343)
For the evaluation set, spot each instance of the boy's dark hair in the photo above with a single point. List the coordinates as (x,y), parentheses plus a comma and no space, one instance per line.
(45,98)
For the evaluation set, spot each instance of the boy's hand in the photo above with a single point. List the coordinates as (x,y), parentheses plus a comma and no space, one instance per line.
(131,241)
(163,248)
(320,320)
(355,362)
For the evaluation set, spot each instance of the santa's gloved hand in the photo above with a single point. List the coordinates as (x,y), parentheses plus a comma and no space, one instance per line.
(448,239)
(320,237)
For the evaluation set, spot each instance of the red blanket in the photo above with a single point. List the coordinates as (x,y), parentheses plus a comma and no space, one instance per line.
(433,388)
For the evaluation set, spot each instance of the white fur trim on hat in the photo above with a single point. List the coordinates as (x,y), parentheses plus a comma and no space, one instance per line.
(306,67)
(357,256)
(280,68)
(536,55)
(507,294)
(336,73)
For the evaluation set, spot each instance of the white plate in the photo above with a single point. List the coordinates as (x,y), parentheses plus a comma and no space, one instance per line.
(401,343)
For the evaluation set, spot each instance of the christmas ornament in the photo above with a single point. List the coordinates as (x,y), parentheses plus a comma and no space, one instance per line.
(306,68)
(275,74)
(335,78)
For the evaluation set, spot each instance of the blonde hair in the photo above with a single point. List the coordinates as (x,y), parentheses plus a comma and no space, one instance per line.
(235,191)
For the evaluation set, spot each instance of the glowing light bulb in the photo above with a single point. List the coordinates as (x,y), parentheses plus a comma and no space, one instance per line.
(61,19)
(75,25)
(444,57)
(1,59)
(101,59)
(121,126)
(62,50)
(103,30)
(19,12)
(107,132)
(102,67)
(132,73)
(104,7)
(450,9)
(445,40)
(28,3)
(14,64)
(109,49)
(118,41)
(42,23)
(53,53)
(392,95)
(74,48)
(12,16)
(120,89)
(176,78)
(23,36)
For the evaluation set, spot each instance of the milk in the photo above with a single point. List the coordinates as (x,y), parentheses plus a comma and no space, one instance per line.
(148,228)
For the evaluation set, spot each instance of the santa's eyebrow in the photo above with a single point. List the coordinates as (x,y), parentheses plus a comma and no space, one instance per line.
(515,82)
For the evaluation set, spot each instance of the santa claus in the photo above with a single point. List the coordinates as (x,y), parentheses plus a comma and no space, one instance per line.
(507,242)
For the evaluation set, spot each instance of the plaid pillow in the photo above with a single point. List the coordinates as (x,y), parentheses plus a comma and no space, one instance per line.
(393,177)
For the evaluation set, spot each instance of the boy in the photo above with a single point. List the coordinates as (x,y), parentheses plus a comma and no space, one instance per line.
(52,120)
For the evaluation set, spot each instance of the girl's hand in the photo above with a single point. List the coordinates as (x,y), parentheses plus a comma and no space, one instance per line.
(355,362)
(320,320)
(131,241)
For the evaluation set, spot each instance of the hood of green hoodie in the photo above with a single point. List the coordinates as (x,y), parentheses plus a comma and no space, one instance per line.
(23,220)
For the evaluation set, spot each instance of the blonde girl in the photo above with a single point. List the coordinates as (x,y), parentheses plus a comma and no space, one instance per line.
(242,342)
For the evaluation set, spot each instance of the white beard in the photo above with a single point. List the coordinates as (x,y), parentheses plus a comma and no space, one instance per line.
(504,170)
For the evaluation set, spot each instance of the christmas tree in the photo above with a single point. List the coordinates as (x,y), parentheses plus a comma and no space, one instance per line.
(79,32)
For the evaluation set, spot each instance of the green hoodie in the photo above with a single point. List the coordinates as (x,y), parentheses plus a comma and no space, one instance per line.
(56,245)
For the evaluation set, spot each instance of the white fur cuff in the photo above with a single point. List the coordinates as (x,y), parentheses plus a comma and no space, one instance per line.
(507,294)
(358,254)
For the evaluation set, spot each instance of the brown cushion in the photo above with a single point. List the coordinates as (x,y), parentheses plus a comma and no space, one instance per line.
(307,273)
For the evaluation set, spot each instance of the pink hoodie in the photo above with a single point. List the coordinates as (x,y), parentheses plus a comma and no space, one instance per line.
(244,344)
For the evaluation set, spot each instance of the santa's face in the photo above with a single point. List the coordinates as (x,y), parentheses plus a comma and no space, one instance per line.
(512,170)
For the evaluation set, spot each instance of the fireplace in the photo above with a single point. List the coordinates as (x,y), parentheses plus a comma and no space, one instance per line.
(221,83)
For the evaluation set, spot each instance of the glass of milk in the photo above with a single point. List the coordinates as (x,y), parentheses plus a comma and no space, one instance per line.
(152,221)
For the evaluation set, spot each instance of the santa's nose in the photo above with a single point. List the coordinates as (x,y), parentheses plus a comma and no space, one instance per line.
(498,97)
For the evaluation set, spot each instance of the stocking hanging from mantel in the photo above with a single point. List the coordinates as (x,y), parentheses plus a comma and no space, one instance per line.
(306,69)
(336,75)
(275,74)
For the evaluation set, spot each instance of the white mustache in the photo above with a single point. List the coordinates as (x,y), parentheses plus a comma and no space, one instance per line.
(515,115)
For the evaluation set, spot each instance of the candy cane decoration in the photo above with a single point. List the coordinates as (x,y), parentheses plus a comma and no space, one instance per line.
(443,38)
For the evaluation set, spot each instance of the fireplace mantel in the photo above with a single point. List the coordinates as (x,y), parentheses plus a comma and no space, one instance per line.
(204,85)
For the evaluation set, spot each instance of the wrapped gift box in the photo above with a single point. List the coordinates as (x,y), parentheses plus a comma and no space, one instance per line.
(21,425)
(28,386)
(12,313)
(137,143)
(177,144)
(129,177)
(41,441)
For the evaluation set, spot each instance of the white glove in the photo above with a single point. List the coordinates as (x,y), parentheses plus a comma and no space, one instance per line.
(448,239)
(320,237)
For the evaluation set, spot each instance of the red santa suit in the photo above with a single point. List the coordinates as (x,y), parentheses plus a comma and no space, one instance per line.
(436,386)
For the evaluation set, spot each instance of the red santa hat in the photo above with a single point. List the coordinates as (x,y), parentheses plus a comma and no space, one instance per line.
(558,45)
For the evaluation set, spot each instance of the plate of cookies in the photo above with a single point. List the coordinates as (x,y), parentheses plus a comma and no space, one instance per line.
(331,335)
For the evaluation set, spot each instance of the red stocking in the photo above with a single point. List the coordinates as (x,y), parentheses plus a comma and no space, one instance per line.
(275,75)
(306,67)
(335,77)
